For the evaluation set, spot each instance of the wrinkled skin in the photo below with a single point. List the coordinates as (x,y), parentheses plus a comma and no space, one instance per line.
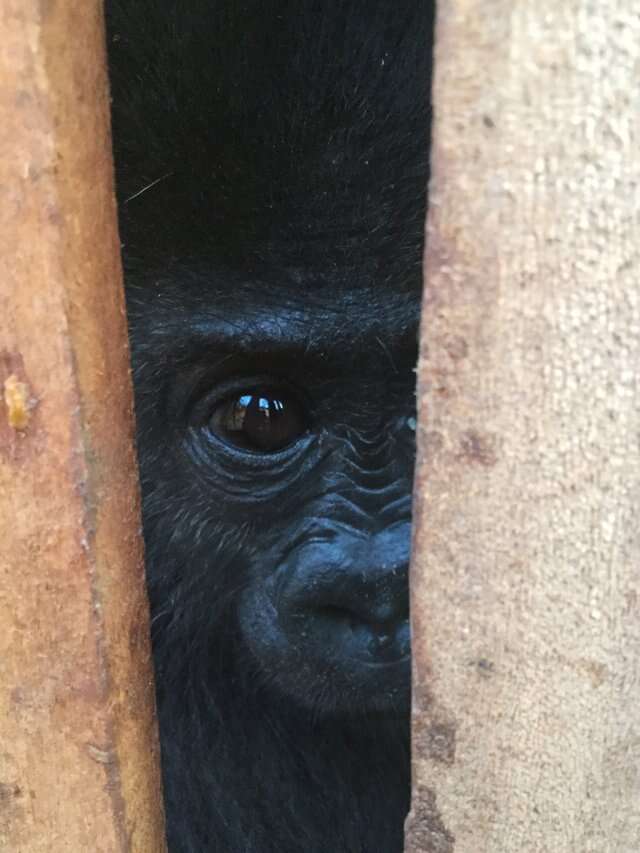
(271,166)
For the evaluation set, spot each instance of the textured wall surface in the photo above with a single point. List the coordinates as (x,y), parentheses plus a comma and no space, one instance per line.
(526,573)
(78,749)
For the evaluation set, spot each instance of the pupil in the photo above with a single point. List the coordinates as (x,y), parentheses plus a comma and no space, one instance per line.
(266,423)
(258,421)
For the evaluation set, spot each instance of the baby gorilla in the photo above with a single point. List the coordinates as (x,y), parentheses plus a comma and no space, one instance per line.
(271,164)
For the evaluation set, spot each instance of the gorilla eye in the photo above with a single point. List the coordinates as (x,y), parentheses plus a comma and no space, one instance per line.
(264,420)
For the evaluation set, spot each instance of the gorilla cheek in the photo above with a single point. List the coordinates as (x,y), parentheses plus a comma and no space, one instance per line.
(261,630)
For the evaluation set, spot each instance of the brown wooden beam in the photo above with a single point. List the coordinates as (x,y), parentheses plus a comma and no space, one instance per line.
(78,747)
(526,572)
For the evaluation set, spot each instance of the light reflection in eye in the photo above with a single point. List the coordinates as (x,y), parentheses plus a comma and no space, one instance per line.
(260,421)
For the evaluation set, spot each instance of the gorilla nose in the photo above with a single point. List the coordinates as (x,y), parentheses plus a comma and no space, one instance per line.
(370,614)
(360,604)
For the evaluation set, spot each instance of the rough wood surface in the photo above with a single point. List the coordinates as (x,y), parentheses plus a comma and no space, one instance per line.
(526,574)
(78,749)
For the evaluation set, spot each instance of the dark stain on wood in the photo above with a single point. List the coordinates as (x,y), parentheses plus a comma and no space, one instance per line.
(484,666)
(478,448)
(425,828)
(457,347)
(437,740)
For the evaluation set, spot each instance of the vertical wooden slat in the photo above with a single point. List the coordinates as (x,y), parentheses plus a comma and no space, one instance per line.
(526,573)
(78,748)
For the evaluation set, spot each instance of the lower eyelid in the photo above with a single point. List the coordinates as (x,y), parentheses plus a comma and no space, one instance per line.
(213,453)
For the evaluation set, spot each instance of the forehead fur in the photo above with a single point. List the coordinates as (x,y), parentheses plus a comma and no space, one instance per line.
(270,132)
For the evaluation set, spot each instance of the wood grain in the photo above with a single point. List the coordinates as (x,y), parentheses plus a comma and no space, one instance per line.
(526,564)
(78,747)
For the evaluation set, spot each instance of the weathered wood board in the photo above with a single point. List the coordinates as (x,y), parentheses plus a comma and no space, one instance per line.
(78,746)
(526,566)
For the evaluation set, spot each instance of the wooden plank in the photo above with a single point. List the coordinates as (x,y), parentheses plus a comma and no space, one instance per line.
(526,573)
(78,747)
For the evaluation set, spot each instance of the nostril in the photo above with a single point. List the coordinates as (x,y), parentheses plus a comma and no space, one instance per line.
(376,639)
(377,604)
(335,613)
(382,641)
(381,620)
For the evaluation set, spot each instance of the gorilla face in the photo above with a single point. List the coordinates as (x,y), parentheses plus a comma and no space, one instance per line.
(326,609)
(271,162)
(292,443)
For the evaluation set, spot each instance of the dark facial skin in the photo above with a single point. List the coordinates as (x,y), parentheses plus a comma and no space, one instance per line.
(272,163)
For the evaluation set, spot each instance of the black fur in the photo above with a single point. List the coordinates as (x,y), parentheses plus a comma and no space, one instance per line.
(271,165)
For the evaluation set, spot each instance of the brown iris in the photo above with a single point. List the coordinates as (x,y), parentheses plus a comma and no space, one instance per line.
(265,420)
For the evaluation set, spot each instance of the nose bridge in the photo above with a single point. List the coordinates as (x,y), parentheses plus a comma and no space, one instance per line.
(379,559)
(380,574)
(379,570)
